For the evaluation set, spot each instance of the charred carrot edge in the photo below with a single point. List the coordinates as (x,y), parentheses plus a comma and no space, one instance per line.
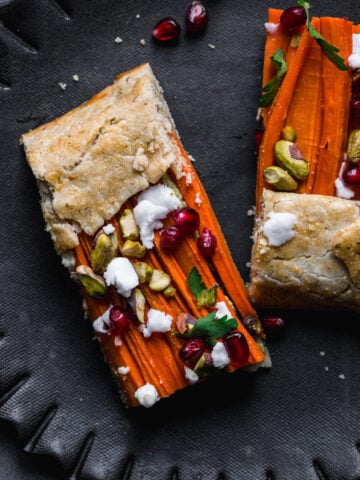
(156,359)
(336,98)
(279,111)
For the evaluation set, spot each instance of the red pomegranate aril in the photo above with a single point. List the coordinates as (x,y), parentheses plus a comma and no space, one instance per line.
(170,238)
(119,320)
(259,133)
(273,323)
(206,243)
(187,219)
(237,348)
(292,18)
(192,350)
(166,29)
(352,176)
(196,17)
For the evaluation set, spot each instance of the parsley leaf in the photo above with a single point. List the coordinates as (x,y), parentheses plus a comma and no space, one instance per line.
(204,297)
(210,328)
(329,50)
(271,88)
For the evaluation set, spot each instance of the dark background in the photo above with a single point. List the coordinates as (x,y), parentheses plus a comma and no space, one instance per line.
(60,414)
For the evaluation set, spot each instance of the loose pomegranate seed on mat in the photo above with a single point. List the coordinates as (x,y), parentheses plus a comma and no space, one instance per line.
(351,176)
(166,30)
(292,18)
(196,17)
(187,219)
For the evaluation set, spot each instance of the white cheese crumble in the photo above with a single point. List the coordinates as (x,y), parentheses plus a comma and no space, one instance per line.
(278,229)
(147,395)
(101,324)
(354,61)
(154,204)
(356,43)
(123,370)
(222,310)
(68,260)
(198,200)
(190,375)
(271,28)
(157,321)
(109,229)
(342,191)
(219,356)
(121,274)
(142,42)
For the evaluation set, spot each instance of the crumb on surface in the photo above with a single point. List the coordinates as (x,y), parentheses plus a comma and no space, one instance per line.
(142,42)
(118,40)
(62,85)
(322,354)
(342,376)
(75,78)
(210,45)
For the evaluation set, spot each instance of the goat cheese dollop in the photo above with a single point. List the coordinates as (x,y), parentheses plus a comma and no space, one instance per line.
(154,204)
(101,324)
(219,356)
(157,321)
(278,229)
(190,375)
(147,395)
(121,274)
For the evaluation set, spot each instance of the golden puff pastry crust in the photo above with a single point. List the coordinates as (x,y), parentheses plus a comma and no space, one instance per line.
(312,262)
(89,161)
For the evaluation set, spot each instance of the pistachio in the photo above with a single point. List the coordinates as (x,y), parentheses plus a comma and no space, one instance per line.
(133,249)
(169,291)
(93,284)
(204,366)
(207,297)
(280,179)
(289,157)
(105,248)
(168,182)
(128,227)
(143,270)
(185,322)
(353,146)
(137,303)
(253,325)
(289,133)
(159,280)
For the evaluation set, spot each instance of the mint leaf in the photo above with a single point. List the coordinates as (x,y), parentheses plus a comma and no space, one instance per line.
(204,297)
(210,328)
(271,88)
(329,50)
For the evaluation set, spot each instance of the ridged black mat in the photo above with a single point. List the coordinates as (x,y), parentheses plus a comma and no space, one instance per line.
(58,402)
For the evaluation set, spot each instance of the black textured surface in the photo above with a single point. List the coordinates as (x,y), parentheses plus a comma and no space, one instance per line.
(298,421)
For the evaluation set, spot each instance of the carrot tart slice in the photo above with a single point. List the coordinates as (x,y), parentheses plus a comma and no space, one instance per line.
(305,252)
(133,224)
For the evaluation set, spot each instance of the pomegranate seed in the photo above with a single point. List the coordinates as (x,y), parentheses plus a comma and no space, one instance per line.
(170,238)
(206,243)
(192,350)
(352,176)
(292,18)
(166,29)
(237,348)
(196,17)
(273,323)
(187,219)
(119,320)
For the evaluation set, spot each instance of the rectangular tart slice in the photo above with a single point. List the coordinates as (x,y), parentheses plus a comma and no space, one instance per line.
(127,212)
(307,173)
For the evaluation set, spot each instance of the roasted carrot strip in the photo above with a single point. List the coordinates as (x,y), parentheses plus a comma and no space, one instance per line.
(222,261)
(280,109)
(336,96)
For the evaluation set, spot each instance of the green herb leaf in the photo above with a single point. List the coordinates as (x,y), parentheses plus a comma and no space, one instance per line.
(329,50)
(194,282)
(204,297)
(271,88)
(210,328)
